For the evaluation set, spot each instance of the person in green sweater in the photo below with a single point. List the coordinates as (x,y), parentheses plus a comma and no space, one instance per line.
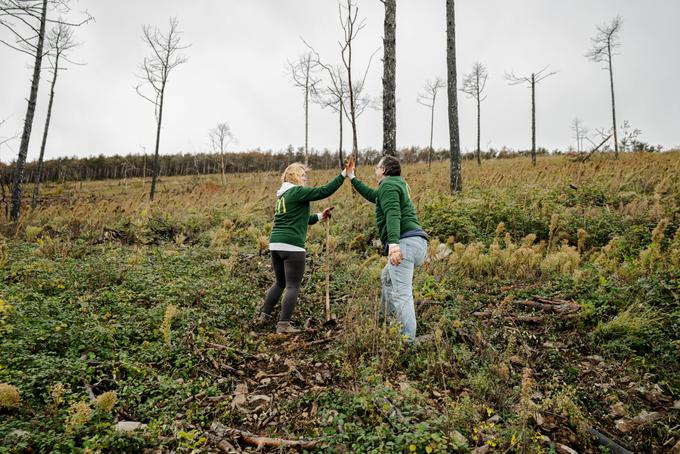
(404,241)
(287,241)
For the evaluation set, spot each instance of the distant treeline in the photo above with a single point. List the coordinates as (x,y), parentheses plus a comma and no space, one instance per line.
(139,165)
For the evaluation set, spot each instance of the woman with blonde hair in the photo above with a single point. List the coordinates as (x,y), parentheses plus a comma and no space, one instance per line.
(287,240)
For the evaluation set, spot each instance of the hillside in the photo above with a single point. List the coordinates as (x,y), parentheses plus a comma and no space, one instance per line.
(551,294)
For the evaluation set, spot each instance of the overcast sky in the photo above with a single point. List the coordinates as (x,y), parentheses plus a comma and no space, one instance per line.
(236,73)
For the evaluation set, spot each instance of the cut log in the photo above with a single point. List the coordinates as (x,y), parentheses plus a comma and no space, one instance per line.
(219,432)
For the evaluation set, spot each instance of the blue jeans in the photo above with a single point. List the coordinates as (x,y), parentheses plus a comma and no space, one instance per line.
(397,284)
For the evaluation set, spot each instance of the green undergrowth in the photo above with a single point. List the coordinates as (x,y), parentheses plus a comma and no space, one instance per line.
(132,300)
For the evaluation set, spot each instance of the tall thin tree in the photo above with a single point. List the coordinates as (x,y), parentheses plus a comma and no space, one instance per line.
(603,48)
(351,92)
(454,134)
(474,84)
(428,99)
(303,74)
(579,133)
(60,41)
(351,27)
(531,81)
(389,107)
(165,57)
(220,137)
(26,21)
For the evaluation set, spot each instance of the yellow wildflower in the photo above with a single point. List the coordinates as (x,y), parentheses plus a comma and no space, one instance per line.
(106,401)
(80,414)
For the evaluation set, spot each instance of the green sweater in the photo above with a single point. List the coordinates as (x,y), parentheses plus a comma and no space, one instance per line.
(291,217)
(394,210)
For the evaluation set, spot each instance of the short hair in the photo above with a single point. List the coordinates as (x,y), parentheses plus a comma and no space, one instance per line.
(293,173)
(391,166)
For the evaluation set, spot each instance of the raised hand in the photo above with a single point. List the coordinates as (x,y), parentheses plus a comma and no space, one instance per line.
(349,167)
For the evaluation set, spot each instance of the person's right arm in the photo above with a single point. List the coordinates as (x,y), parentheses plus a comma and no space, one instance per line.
(321,192)
(366,192)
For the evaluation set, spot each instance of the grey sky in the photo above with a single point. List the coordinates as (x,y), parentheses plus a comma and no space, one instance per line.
(236,73)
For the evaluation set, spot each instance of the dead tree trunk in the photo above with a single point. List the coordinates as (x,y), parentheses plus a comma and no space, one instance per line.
(38,173)
(154,165)
(156,70)
(429,153)
(309,56)
(60,42)
(479,125)
(603,46)
(28,122)
(341,160)
(389,82)
(456,183)
(474,84)
(611,85)
(428,99)
(533,119)
(532,81)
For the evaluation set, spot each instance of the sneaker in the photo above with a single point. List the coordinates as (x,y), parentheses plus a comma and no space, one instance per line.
(286,328)
(262,320)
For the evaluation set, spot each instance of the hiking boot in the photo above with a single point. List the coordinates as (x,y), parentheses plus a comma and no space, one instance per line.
(262,320)
(286,328)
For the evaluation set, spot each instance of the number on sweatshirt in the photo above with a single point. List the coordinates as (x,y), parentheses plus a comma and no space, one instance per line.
(280,205)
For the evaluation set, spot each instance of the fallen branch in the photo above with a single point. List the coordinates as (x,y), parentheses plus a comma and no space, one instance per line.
(219,432)
(557,306)
(321,341)
(515,318)
(586,157)
(194,397)
(608,442)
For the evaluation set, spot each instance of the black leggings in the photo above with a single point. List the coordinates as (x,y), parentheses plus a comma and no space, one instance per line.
(288,268)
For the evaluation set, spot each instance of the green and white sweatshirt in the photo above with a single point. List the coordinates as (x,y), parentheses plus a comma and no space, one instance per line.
(394,210)
(292,217)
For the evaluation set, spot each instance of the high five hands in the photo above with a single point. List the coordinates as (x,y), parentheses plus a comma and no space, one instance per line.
(349,167)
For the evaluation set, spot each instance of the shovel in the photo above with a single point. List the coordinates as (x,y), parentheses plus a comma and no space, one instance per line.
(329,323)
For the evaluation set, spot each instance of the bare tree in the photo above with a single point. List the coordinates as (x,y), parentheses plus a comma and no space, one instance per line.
(165,57)
(26,21)
(351,28)
(603,47)
(531,81)
(354,99)
(220,137)
(389,107)
(428,99)
(334,96)
(474,84)
(60,41)
(579,133)
(303,74)
(454,135)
